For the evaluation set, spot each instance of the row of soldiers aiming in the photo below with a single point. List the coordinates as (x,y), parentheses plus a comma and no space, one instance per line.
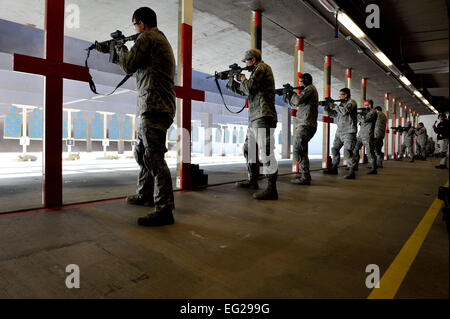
(260,90)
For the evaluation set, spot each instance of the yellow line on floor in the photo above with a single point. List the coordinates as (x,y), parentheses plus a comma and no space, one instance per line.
(396,273)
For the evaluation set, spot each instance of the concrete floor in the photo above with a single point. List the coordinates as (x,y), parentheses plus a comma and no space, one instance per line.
(314,242)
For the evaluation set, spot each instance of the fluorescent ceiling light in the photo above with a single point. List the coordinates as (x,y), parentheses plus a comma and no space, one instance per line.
(383,58)
(418,94)
(405,80)
(350,25)
(329,5)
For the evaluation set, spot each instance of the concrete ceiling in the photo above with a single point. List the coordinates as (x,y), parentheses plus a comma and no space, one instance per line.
(221,35)
(417,41)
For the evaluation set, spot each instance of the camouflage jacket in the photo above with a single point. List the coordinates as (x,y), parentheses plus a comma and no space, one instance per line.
(367,122)
(307,103)
(346,113)
(380,125)
(260,89)
(421,135)
(409,135)
(152,59)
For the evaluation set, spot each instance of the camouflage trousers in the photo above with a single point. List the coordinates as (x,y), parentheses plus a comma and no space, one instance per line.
(421,149)
(443,150)
(303,134)
(409,147)
(369,144)
(379,142)
(260,140)
(154,180)
(347,140)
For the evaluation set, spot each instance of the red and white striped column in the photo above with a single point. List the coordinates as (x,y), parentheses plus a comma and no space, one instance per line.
(348,78)
(386,137)
(298,71)
(394,132)
(256,30)
(186,81)
(326,119)
(363,100)
(400,122)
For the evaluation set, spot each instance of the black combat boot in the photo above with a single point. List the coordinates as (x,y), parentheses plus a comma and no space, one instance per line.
(270,193)
(351,175)
(252,182)
(302,180)
(159,217)
(331,171)
(373,168)
(139,200)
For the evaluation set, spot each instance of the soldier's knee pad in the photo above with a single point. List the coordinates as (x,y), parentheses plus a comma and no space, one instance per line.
(443,154)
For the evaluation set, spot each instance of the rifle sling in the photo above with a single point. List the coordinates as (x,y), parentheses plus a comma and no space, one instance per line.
(223,100)
(91,81)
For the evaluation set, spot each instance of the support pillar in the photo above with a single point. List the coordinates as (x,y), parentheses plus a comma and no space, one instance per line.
(208,134)
(348,78)
(400,122)
(386,137)
(285,133)
(394,132)
(363,100)
(298,71)
(326,119)
(348,83)
(256,30)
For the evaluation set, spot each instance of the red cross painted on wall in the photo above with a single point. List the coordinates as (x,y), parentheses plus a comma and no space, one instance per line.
(53,68)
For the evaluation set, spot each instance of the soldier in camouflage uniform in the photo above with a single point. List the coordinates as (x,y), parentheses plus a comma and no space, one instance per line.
(421,142)
(408,142)
(152,59)
(307,103)
(262,121)
(346,131)
(367,120)
(380,132)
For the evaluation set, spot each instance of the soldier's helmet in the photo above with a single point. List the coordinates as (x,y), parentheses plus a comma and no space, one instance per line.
(252,53)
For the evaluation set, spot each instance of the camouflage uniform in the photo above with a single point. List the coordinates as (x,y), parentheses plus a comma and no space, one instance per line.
(262,119)
(307,103)
(346,113)
(408,143)
(380,132)
(421,142)
(366,137)
(152,59)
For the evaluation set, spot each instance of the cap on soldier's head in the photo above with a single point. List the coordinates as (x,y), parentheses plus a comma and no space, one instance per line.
(252,53)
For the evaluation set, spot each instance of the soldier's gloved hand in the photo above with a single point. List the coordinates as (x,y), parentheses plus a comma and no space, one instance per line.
(287,94)
(118,47)
(101,47)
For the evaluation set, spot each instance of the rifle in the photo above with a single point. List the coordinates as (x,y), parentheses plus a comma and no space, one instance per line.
(108,46)
(329,100)
(287,88)
(234,70)
(399,128)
